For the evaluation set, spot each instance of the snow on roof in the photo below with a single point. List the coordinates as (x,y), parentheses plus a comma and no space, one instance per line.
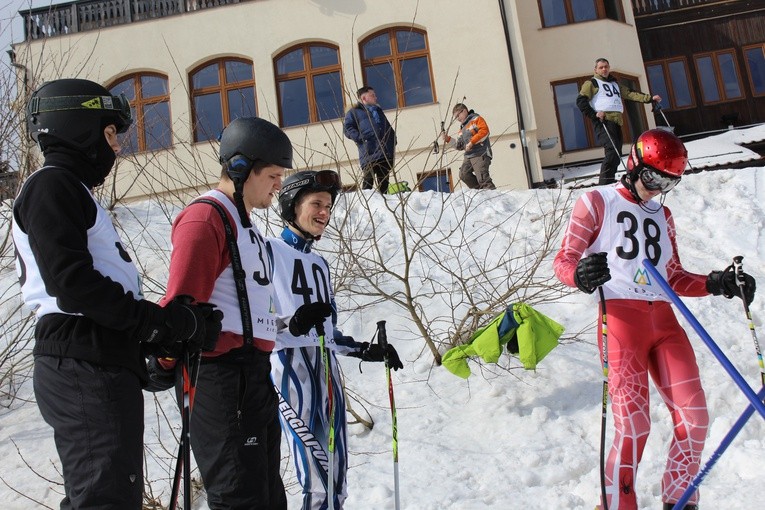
(713,151)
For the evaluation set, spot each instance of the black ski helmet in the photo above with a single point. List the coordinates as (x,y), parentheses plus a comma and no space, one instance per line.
(305,182)
(247,140)
(74,112)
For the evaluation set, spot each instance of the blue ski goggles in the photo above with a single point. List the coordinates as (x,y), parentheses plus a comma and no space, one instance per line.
(653,180)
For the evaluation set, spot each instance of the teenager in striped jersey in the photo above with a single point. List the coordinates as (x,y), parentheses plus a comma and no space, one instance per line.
(304,293)
(611,231)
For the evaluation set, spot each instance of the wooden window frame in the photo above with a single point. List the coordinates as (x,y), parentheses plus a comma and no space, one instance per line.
(138,103)
(718,76)
(664,63)
(600,13)
(421,176)
(744,49)
(222,88)
(307,74)
(395,58)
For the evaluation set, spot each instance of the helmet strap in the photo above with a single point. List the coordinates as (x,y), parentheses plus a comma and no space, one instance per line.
(308,237)
(629,182)
(244,217)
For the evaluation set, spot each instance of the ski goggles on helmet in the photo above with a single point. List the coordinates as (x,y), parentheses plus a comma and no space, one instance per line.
(118,105)
(327,179)
(653,180)
(323,180)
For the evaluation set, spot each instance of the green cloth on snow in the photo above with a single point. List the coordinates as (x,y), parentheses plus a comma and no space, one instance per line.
(528,333)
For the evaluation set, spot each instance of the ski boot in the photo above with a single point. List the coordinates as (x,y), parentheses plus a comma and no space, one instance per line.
(670,506)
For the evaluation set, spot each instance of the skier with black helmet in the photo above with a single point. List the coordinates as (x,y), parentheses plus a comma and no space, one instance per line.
(611,231)
(93,325)
(219,256)
(305,299)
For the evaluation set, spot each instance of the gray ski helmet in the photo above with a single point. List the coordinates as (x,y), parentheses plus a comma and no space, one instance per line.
(304,182)
(247,140)
(75,112)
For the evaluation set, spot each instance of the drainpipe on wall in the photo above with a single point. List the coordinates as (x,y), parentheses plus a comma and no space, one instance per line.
(26,170)
(12,57)
(519,111)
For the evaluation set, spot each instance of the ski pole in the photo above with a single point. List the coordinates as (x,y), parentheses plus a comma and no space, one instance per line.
(604,398)
(331,412)
(727,440)
(613,144)
(724,361)
(657,107)
(383,338)
(738,269)
(189,371)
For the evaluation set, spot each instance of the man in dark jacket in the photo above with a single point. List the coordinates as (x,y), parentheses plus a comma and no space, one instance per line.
(367,125)
(93,325)
(600,100)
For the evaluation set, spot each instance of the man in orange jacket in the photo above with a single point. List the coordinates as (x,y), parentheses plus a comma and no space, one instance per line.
(473,138)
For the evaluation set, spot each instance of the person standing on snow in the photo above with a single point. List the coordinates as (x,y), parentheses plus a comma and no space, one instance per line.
(93,325)
(611,231)
(601,100)
(220,257)
(473,138)
(368,127)
(304,292)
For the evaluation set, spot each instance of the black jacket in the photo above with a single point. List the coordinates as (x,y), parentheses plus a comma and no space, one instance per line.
(55,211)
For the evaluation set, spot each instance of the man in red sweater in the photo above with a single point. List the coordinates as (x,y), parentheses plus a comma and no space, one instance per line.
(219,257)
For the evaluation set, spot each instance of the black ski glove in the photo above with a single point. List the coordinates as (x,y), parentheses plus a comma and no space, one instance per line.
(724,282)
(160,378)
(213,325)
(592,272)
(375,352)
(184,327)
(310,316)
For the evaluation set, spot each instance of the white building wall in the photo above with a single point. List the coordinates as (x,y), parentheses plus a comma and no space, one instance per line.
(468,55)
(567,52)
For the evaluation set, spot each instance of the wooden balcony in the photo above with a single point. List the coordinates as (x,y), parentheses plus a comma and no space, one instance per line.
(73,17)
(643,7)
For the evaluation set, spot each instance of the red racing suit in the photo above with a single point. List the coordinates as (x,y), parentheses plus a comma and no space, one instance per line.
(644,338)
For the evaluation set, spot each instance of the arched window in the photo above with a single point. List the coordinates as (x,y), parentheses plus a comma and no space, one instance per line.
(396,63)
(308,84)
(150,106)
(221,91)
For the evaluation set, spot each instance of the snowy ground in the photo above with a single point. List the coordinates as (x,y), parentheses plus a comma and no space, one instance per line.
(503,439)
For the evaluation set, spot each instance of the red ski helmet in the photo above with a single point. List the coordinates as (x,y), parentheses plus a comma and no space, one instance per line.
(658,150)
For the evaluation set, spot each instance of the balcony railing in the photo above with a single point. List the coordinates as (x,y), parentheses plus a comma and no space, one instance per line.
(642,7)
(69,18)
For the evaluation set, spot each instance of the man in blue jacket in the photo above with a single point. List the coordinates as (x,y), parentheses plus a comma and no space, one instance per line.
(366,125)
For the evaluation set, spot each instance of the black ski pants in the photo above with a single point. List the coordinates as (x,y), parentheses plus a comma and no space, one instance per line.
(97,417)
(236,436)
(379,170)
(612,148)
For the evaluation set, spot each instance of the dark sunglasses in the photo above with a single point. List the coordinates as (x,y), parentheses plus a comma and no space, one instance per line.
(653,180)
(117,104)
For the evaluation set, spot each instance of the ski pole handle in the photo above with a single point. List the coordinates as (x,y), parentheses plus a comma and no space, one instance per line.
(382,336)
(738,270)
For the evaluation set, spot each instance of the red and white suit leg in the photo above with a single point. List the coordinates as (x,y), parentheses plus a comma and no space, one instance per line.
(658,346)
